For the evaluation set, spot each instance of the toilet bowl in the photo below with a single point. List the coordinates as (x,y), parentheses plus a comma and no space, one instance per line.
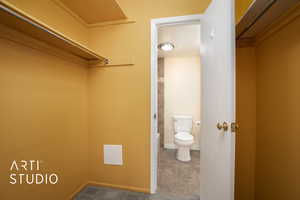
(184,141)
(183,137)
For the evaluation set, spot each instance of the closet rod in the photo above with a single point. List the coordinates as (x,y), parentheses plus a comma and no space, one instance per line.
(20,21)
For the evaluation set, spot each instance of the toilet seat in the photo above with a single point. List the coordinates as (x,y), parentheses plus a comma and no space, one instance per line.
(184,139)
(184,136)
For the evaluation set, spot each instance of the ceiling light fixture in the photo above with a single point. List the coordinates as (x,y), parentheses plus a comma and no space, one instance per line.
(166,46)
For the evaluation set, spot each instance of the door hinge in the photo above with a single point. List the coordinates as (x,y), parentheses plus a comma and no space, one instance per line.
(234,126)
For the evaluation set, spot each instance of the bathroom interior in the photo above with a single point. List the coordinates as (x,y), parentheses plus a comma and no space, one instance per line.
(179,90)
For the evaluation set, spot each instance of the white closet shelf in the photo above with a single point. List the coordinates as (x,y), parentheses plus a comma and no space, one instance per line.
(22,22)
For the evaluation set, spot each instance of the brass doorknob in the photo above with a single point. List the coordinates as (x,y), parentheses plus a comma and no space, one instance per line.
(223,126)
(234,126)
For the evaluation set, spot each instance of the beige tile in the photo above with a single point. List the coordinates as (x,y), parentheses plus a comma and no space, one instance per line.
(176,177)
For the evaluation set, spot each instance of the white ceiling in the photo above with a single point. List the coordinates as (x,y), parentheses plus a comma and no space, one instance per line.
(186,39)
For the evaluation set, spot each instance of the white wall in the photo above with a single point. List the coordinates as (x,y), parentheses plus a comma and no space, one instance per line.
(182,94)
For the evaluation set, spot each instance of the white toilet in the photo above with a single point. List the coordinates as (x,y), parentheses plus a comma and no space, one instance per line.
(183,137)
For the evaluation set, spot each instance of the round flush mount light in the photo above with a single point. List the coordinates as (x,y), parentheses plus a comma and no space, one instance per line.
(166,46)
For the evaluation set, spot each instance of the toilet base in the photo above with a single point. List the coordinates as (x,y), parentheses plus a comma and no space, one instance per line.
(183,153)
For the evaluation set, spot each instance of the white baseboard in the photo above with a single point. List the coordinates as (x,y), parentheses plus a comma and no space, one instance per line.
(196,148)
(173,146)
(170,146)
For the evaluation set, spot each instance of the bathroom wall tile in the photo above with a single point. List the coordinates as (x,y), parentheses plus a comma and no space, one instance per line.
(161,99)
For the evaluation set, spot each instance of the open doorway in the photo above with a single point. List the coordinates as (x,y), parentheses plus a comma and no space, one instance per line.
(179,99)
(217,142)
(177,92)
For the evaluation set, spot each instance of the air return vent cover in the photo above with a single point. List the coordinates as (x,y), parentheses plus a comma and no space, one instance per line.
(113,154)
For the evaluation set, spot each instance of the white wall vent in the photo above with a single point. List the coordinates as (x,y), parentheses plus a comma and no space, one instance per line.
(113,154)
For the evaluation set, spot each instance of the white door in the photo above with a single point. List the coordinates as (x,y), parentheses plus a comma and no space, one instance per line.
(154,108)
(218,101)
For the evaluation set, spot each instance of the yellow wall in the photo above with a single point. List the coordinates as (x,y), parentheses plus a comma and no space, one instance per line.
(246,117)
(50,13)
(43,116)
(241,7)
(246,114)
(278,111)
(120,96)
(44,100)
(277,163)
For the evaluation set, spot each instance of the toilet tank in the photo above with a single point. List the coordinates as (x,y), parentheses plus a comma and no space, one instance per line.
(183,123)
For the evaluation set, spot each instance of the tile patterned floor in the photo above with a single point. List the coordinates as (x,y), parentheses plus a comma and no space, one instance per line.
(176,181)
(102,193)
(176,177)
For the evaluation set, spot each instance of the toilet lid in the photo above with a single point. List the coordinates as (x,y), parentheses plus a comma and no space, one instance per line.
(184,136)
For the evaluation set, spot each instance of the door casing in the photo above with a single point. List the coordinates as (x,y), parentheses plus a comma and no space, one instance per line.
(218,50)
(155,24)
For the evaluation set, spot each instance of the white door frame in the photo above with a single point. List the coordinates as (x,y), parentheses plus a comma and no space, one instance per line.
(155,24)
